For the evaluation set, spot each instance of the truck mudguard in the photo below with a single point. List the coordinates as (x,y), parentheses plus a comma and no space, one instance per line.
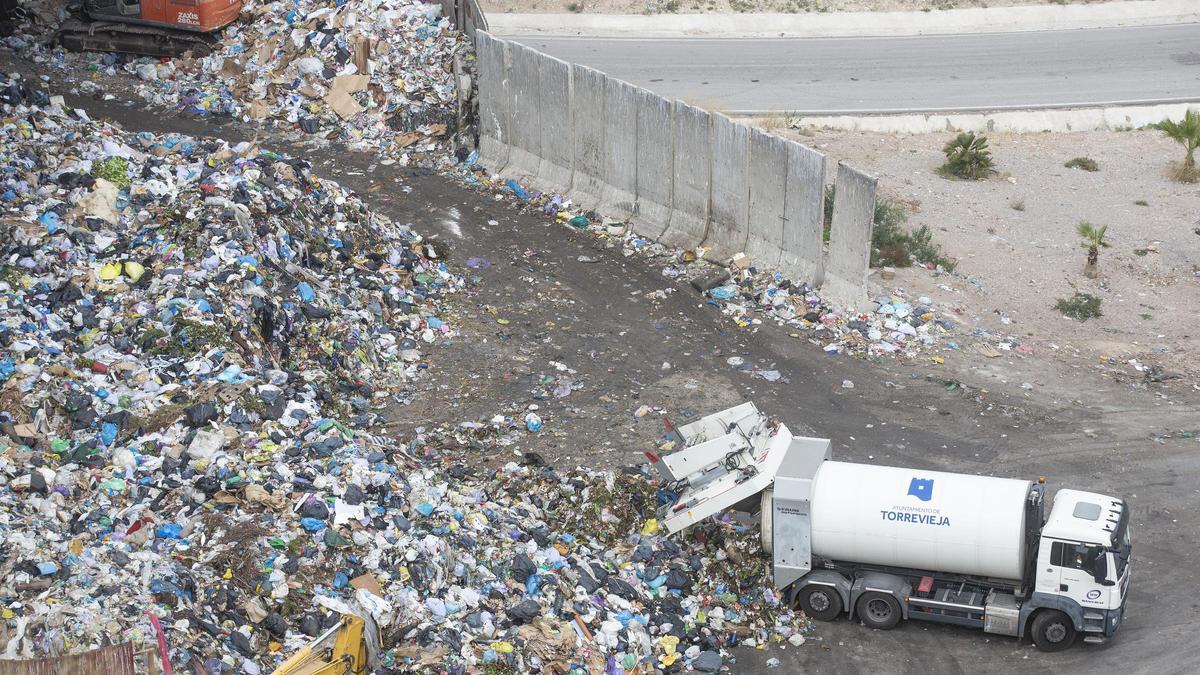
(825,578)
(1048,601)
(883,582)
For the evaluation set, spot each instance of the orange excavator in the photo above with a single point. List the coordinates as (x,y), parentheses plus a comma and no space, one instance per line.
(168,28)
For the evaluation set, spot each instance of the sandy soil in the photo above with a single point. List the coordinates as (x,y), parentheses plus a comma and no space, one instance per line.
(1014,236)
(744,6)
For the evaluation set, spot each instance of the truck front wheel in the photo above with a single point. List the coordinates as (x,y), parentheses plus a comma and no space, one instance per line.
(879,610)
(1052,631)
(821,602)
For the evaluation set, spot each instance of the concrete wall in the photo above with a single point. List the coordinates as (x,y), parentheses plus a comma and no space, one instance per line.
(730,191)
(691,176)
(620,152)
(768,192)
(803,249)
(655,163)
(850,238)
(493,101)
(466,15)
(524,102)
(681,175)
(554,114)
(787,208)
(589,114)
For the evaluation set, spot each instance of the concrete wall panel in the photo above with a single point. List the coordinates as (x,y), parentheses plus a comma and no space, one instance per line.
(683,176)
(730,193)
(802,257)
(768,192)
(524,131)
(691,177)
(850,239)
(556,167)
(493,101)
(588,113)
(620,152)
(655,164)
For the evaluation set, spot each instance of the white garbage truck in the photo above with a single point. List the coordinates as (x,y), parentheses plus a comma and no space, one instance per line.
(883,544)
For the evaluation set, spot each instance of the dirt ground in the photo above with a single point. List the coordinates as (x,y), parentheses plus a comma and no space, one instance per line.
(745,6)
(1018,252)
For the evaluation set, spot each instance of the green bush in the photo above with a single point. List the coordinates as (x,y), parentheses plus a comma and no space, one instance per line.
(1085,163)
(891,244)
(1081,307)
(967,157)
(1185,132)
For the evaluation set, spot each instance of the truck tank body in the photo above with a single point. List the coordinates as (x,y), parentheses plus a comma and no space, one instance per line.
(924,520)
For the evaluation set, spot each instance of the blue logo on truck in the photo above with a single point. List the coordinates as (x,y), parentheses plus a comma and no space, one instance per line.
(921,488)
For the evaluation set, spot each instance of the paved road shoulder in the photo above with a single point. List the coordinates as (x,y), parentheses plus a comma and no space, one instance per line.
(852,24)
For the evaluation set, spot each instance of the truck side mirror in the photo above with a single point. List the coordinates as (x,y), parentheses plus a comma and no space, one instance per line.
(1100,571)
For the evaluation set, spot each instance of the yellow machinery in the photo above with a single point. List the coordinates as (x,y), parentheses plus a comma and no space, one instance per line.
(346,647)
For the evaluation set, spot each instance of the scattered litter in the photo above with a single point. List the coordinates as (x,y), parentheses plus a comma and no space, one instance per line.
(748,295)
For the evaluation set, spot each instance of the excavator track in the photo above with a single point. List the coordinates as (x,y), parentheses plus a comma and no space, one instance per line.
(103,36)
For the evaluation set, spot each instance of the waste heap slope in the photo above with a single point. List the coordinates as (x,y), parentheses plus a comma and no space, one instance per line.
(196,340)
(377,75)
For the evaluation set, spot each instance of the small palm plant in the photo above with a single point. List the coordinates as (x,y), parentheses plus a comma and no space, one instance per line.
(1093,241)
(967,156)
(1185,132)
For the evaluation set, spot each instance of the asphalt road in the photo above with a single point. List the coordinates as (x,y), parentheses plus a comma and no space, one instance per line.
(922,73)
(596,317)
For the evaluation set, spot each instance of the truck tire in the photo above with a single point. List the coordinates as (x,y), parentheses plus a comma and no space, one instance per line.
(879,611)
(823,603)
(1052,631)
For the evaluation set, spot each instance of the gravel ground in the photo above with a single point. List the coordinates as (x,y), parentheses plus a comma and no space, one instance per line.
(744,6)
(1014,237)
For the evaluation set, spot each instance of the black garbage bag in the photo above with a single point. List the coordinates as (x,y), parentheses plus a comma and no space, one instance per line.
(525,611)
(522,568)
(621,588)
(200,414)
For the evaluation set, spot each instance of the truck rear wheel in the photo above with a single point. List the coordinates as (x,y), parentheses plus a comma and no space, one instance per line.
(879,610)
(1052,631)
(820,602)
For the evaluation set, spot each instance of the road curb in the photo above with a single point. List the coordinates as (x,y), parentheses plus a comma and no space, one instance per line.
(1108,118)
(850,24)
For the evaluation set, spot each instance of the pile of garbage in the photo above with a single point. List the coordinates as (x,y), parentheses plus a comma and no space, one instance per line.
(197,344)
(377,75)
(898,326)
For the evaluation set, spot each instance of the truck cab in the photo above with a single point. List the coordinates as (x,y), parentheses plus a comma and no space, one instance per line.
(1081,569)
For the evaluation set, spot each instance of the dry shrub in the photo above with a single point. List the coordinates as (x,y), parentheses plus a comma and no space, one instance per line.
(1182,173)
